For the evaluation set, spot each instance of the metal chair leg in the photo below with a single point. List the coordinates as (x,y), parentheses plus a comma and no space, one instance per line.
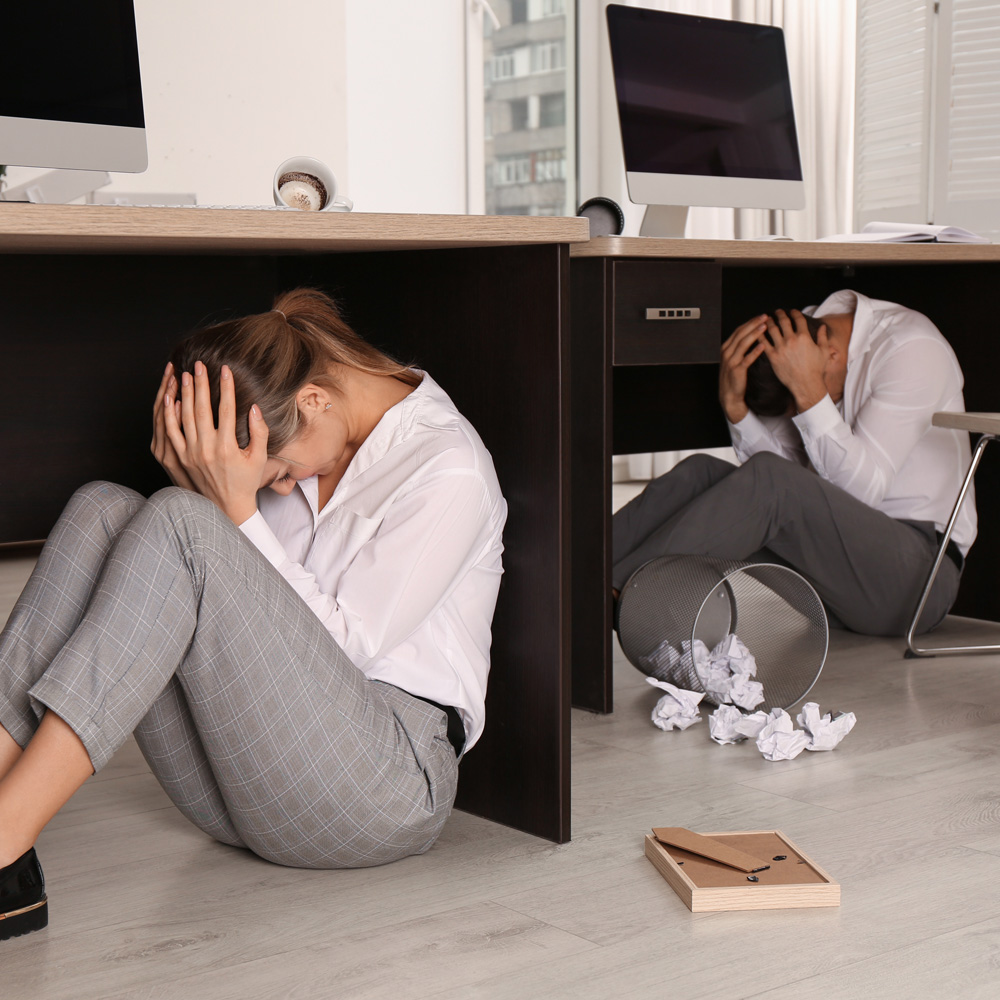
(914,650)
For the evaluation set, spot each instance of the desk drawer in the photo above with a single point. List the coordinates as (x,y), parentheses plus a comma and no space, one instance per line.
(666,313)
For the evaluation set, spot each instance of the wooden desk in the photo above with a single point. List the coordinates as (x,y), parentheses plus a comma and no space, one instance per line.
(652,385)
(92,297)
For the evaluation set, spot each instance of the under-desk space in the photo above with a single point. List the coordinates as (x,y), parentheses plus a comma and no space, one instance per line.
(652,397)
(92,298)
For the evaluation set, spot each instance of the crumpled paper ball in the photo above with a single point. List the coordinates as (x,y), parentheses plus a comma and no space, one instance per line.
(677,709)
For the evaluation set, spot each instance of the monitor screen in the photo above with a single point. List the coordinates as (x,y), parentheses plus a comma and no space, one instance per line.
(70,81)
(703,98)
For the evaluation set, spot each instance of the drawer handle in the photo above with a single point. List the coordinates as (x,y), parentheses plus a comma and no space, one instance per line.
(674,312)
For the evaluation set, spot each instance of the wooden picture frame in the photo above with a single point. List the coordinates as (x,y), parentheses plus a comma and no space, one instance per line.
(705,885)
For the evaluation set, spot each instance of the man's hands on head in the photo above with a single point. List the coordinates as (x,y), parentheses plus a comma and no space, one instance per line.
(739,352)
(200,457)
(798,361)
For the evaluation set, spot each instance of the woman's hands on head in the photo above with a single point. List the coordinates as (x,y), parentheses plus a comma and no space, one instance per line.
(160,446)
(200,457)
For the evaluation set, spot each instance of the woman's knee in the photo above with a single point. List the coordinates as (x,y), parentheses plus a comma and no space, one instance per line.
(110,503)
(175,502)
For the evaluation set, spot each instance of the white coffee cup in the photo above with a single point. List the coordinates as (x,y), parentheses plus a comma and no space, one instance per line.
(314,168)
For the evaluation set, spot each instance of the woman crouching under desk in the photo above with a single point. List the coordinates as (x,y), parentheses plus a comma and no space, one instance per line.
(297,632)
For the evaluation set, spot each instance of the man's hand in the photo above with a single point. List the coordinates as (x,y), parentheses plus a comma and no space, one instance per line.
(798,361)
(739,352)
(211,458)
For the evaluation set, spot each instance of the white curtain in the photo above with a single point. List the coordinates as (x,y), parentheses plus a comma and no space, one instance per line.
(820,41)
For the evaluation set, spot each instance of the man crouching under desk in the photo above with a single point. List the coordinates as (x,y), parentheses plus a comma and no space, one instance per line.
(842,476)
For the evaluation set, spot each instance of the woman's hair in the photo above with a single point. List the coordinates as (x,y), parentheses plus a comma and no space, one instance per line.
(766,395)
(272,355)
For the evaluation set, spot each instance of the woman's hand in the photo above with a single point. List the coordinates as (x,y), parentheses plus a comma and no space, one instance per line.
(212,460)
(739,352)
(160,446)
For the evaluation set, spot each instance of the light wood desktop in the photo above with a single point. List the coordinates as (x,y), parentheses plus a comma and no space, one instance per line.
(92,297)
(651,384)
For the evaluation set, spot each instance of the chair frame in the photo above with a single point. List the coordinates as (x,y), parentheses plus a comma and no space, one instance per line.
(913,650)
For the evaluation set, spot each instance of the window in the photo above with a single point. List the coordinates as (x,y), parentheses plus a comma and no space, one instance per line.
(550,165)
(537,9)
(522,151)
(548,56)
(928,113)
(552,110)
(512,170)
(518,117)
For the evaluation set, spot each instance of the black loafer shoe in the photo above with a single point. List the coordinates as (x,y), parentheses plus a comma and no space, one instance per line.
(24,907)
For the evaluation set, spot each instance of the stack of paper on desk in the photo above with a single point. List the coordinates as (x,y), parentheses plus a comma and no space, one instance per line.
(905,232)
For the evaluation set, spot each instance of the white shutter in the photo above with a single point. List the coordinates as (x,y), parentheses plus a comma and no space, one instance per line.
(966,187)
(892,124)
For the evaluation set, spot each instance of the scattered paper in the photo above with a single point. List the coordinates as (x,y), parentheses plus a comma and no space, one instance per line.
(722,725)
(663,660)
(824,732)
(779,739)
(725,674)
(746,693)
(677,709)
(749,726)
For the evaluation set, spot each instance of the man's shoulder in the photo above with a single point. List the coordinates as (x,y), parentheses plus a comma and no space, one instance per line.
(896,327)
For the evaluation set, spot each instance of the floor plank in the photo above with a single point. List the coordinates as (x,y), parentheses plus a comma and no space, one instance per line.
(904,814)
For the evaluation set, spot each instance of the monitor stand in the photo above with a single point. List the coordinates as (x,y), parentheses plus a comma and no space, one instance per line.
(58,187)
(664,221)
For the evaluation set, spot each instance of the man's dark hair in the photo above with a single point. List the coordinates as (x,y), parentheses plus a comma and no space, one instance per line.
(766,395)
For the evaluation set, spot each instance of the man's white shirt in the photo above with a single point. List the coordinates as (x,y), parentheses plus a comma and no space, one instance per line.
(403,564)
(878,443)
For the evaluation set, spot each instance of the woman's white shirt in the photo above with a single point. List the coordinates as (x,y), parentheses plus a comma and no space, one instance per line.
(403,564)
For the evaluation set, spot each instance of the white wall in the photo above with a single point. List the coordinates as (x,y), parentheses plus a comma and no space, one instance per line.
(406,105)
(233,87)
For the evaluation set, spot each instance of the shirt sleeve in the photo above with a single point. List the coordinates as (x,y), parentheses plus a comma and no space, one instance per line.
(754,434)
(428,540)
(907,386)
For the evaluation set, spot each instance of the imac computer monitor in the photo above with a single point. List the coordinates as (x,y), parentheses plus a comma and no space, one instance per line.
(70,94)
(705,108)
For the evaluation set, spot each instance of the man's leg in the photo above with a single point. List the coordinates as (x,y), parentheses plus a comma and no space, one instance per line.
(316,766)
(868,568)
(663,498)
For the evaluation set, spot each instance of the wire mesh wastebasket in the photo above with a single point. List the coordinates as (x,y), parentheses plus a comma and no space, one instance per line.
(773,610)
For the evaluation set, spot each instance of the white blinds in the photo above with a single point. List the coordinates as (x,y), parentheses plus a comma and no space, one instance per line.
(893,110)
(966,189)
(928,113)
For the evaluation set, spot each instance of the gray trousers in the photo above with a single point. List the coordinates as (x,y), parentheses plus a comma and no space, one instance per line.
(159,618)
(867,568)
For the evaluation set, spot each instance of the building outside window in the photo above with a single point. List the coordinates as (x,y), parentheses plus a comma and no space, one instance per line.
(529,147)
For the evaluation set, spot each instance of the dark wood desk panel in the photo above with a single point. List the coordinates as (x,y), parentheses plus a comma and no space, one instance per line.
(667,407)
(491,327)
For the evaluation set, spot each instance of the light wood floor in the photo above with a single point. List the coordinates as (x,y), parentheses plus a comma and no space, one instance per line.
(906,815)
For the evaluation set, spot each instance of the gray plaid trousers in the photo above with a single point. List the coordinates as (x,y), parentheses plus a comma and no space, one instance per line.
(159,617)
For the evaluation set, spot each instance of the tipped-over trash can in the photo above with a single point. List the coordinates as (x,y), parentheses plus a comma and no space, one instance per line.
(672,602)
